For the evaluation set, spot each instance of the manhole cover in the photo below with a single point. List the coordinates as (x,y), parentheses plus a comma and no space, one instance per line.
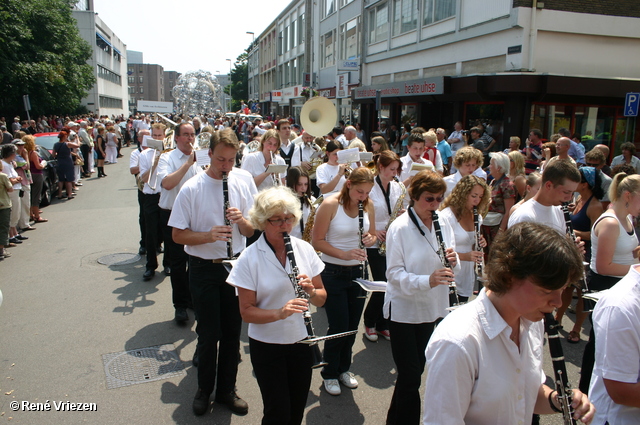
(141,365)
(119,259)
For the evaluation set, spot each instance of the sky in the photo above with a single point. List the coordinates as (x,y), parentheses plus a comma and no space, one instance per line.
(188,35)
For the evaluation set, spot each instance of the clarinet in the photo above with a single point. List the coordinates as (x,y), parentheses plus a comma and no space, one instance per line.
(225,193)
(442,253)
(588,305)
(559,370)
(301,293)
(478,267)
(364,265)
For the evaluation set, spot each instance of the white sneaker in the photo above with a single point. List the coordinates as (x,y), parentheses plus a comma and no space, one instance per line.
(371,334)
(332,386)
(348,380)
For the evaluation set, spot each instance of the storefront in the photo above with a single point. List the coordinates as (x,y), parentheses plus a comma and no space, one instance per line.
(508,105)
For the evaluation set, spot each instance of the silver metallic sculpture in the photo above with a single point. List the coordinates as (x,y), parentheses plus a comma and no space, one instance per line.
(197,92)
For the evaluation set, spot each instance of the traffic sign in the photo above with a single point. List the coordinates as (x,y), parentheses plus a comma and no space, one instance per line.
(631,104)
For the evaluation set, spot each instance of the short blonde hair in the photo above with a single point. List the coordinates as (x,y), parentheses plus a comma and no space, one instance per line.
(518,161)
(272,201)
(268,135)
(431,135)
(467,154)
(358,144)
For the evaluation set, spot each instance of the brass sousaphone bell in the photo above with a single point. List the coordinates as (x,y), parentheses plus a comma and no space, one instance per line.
(318,116)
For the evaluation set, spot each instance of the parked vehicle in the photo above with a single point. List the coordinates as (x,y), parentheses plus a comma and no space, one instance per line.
(50,182)
(47,140)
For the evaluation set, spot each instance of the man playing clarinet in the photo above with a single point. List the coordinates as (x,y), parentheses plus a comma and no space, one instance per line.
(198,221)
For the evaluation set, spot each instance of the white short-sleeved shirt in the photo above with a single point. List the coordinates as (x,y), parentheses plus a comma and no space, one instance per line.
(259,270)
(616,321)
(10,171)
(494,382)
(343,233)
(145,162)
(407,162)
(254,163)
(465,242)
(534,212)
(380,204)
(169,163)
(411,258)
(247,177)
(325,173)
(133,159)
(200,206)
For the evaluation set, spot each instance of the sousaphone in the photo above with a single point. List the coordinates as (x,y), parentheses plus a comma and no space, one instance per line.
(318,116)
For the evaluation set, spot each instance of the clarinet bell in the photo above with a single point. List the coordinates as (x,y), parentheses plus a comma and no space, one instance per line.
(318,362)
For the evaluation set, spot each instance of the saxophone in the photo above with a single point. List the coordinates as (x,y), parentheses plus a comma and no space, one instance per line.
(382,249)
(308,227)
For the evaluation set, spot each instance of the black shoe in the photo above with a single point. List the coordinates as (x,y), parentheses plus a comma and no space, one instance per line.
(196,360)
(159,249)
(181,315)
(233,402)
(21,238)
(142,251)
(15,240)
(167,271)
(200,403)
(148,274)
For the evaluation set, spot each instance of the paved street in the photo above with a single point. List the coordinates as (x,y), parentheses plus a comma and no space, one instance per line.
(63,311)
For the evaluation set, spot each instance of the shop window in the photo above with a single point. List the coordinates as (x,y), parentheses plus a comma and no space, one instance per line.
(490,115)
(409,114)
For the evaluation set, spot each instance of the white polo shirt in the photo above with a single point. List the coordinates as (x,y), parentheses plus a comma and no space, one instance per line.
(168,164)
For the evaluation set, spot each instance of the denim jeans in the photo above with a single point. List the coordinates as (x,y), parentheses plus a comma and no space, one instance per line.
(344,305)
(219,323)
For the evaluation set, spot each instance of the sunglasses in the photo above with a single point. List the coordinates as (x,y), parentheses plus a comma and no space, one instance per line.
(281,221)
(434,198)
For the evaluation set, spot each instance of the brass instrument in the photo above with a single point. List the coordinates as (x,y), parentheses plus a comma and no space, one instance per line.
(275,176)
(382,249)
(169,141)
(308,228)
(318,161)
(203,141)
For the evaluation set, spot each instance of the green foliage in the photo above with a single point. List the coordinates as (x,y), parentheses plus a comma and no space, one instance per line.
(42,55)
(239,82)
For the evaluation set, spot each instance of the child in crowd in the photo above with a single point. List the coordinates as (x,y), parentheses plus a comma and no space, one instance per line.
(5,213)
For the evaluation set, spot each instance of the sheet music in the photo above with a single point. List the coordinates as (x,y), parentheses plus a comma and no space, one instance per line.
(372,286)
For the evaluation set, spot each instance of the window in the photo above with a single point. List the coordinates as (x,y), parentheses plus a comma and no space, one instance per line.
(379,21)
(130,71)
(301,29)
(132,79)
(109,75)
(328,49)
(293,34)
(327,7)
(405,16)
(345,2)
(285,39)
(141,90)
(110,102)
(349,35)
(437,10)
(132,90)
(140,79)
(280,41)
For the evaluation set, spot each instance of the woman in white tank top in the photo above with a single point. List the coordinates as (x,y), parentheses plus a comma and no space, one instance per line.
(614,248)
(336,235)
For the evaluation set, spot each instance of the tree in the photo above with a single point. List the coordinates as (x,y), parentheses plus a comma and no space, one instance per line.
(239,82)
(42,55)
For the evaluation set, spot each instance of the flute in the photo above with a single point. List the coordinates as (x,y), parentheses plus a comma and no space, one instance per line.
(301,293)
(225,194)
(442,253)
(559,369)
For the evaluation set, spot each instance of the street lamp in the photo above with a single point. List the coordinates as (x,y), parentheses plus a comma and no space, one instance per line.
(253,35)
(230,86)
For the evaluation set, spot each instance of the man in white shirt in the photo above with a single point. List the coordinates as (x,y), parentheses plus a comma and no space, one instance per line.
(175,168)
(338,135)
(455,138)
(615,383)
(198,221)
(350,135)
(484,360)
(559,180)
(134,168)
(287,149)
(148,169)
(85,148)
(416,146)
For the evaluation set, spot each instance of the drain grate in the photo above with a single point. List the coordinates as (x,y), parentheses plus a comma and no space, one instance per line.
(142,365)
(119,259)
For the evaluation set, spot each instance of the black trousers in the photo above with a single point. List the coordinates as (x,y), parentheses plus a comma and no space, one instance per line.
(151,222)
(283,372)
(177,259)
(408,345)
(84,149)
(141,223)
(373,317)
(219,324)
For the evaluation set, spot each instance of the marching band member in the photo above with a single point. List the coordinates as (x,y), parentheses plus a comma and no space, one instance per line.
(298,182)
(484,361)
(336,234)
(416,146)
(467,160)
(257,162)
(417,291)
(385,196)
(198,221)
(175,168)
(470,192)
(273,308)
(330,175)
(288,150)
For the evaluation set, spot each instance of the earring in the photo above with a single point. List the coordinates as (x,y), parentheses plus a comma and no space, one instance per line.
(626,205)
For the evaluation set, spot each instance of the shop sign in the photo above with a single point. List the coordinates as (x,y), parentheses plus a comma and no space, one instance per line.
(276,95)
(422,87)
(329,93)
(342,85)
(350,65)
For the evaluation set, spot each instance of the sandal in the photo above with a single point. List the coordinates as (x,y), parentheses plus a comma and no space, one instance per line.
(40,220)
(573,337)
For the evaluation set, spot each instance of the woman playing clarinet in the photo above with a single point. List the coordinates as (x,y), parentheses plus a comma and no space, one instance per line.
(417,294)
(341,235)
(484,361)
(273,306)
